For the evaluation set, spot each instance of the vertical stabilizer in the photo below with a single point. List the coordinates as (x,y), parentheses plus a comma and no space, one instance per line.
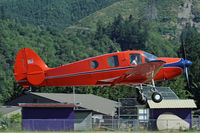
(29,68)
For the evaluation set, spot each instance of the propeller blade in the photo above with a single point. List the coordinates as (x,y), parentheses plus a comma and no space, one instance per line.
(187,63)
(187,77)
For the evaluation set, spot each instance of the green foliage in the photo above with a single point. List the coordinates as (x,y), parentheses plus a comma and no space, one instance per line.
(50,13)
(107,15)
(179,86)
(53,46)
(142,25)
(11,123)
(165,47)
(56,47)
(135,35)
(191,40)
(196,10)
(163,12)
(13,117)
(168,10)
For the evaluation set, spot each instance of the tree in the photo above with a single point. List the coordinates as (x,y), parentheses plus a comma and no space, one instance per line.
(191,39)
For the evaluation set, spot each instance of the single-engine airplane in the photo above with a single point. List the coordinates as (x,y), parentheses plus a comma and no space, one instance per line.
(120,68)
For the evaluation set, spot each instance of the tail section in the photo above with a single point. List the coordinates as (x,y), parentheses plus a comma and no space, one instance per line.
(29,68)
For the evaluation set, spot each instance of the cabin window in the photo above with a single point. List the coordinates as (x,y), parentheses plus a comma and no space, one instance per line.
(149,57)
(94,64)
(113,61)
(135,59)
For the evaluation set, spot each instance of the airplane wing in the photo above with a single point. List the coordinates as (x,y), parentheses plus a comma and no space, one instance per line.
(142,73)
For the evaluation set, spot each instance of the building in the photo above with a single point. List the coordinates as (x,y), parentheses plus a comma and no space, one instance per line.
(171,114)
(7,111)
(94,112)
(89,109)
(83,101)
(44,117)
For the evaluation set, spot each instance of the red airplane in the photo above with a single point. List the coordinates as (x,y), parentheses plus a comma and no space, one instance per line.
(120,68)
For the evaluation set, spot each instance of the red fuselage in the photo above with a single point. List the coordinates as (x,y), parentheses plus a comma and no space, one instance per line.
(87,72)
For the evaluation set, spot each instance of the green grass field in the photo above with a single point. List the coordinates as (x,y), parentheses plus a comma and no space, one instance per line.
(104,132)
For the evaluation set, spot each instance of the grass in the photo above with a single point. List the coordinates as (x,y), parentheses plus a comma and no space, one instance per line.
(102,132)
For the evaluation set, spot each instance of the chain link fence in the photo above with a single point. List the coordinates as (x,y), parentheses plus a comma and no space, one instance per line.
(94,124)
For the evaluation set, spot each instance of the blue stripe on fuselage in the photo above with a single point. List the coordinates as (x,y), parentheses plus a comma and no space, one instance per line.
(179,64)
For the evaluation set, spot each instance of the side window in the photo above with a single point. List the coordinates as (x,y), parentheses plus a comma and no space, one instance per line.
(94,64)
(135,59)
(146,59)
(113,61)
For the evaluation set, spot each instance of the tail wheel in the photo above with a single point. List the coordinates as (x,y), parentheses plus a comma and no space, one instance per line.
(156,97)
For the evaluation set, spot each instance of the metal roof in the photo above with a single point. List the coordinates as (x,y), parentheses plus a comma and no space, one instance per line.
(180,103)
(166,92)
(46,105)
(8,109)
(88,101)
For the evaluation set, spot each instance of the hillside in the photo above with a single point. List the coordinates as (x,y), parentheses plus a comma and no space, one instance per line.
(170,16)
(52,45)
(106,15)
(50,13)
(109,26)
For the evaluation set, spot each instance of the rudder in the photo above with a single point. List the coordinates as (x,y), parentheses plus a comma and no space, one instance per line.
(29,67)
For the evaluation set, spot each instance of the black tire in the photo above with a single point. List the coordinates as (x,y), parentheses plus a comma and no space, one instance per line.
(156,97)
(142,100)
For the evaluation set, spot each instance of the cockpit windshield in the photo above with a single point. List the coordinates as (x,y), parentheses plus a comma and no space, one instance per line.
(149,57)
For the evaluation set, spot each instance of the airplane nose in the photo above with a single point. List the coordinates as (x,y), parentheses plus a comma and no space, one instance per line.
(181,63)
(187,63)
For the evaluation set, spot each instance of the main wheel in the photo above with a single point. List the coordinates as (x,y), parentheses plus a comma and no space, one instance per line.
(156,97)
(142,99)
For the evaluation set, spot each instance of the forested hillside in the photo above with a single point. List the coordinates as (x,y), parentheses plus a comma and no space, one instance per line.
(149,25)
(164,13)
(50,13)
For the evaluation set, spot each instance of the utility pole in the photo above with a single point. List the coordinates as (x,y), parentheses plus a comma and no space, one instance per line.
(74,97)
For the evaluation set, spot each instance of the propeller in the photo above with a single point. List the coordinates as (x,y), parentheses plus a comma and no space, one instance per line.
(186,64)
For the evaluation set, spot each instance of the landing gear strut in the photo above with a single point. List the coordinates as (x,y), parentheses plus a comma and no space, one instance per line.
(156,97)
(142,99)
